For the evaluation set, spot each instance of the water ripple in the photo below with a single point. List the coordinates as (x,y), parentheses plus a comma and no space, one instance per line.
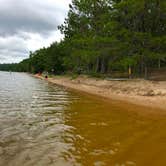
(32,121)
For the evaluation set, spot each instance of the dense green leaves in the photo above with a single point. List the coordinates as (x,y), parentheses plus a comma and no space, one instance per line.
(106,35)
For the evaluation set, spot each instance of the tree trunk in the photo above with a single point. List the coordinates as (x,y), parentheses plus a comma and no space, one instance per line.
(103,66)
(146,72)
(159,63)
(97,65)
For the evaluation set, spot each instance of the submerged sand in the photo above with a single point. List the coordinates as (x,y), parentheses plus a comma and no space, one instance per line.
(136,91)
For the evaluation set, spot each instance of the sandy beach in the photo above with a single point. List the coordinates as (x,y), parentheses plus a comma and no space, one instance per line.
(135,91)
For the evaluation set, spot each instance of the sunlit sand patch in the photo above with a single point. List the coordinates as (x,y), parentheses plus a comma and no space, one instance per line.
(99,124)
(98,152)
(99,163)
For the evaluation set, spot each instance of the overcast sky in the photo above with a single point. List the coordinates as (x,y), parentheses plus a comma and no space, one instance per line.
(27,25)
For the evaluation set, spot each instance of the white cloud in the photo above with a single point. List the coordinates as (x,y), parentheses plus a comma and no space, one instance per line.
(27,25)
(36,41)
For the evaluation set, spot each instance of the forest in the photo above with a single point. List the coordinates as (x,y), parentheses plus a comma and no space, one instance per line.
(104,37)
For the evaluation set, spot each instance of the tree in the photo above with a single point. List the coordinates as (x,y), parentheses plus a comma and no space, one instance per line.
(102,36)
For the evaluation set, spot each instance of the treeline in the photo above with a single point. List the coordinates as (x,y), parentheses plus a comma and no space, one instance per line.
(9,67)
(103,36)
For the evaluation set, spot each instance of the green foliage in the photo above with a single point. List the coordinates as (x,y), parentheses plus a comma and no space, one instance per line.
(102,36)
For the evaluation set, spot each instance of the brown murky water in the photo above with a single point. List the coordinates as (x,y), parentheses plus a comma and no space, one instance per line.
(45,125)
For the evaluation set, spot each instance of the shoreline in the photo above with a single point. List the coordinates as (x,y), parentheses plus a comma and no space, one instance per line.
(138,92)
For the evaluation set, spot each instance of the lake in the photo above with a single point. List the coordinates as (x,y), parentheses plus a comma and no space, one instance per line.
(42,124)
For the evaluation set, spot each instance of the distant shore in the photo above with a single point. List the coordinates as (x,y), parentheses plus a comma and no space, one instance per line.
(138,91)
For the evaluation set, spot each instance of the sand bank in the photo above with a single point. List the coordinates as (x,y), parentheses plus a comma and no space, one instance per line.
(137,91)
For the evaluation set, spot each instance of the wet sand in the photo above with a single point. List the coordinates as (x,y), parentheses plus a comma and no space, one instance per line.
(136,91)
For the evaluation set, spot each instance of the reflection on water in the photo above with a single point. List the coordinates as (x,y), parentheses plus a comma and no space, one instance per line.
(44,125)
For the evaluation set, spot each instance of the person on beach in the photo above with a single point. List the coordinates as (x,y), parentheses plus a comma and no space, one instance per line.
(46,76)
